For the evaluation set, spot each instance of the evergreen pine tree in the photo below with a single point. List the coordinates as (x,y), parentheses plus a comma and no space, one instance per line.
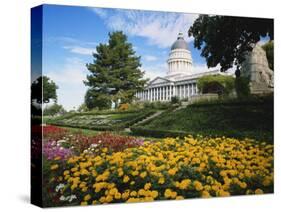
(115,73)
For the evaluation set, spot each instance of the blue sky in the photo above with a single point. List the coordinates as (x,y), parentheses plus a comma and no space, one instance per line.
(71,34)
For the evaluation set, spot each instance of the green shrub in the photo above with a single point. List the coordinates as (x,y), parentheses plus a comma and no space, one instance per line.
(242,87)
(220,84)
(175,100)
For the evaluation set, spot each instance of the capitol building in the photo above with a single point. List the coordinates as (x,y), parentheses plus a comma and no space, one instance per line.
(180,80)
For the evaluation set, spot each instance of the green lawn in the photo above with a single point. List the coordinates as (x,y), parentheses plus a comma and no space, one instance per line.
(253,119)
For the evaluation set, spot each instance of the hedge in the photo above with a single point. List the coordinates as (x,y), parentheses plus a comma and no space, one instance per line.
(157,133)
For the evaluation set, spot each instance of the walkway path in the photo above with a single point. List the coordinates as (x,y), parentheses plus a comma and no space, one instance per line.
(144,120)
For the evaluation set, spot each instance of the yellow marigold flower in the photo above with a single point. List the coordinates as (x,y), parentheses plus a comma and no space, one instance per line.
(109,198)
(133,200)
(54,167)
(142,192)
(94,202)
(84,172)
(94,173)
(133,194)
(74,169)
(102,199)
(168,193)
(117,195)
(82,184)
(66,172)
(179,197)
(126,179)
(87,197)
(113,191)
(147,186)
(125,195)
(104,150)
(154,194)
(120,172)
(84,189)
(173,195)
(205,194)
(173,171)
(243,185)
(76,174)
(135,173)
(148,199)
(223,193)
(161,180)
(184,184)
(267,181)
(258,191)
(143,174)
(202,165)
(83,203)
(73,186)
(198,185)
(223,173)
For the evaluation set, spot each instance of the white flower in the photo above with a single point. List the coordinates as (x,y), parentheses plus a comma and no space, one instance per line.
(93,145)
(59,187)
(62,198)
(72,197)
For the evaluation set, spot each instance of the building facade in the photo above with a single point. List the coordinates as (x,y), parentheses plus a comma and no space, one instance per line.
(180,81)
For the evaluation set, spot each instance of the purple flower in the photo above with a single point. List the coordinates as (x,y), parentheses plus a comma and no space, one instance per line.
(51,150)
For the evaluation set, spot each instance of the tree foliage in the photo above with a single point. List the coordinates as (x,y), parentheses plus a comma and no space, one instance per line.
(269,49)
(43,89)
(83,108)
(220,84)
(115,73)
(224,40)
(54,109)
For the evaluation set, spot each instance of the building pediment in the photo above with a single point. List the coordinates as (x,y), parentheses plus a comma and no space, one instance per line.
(159,80)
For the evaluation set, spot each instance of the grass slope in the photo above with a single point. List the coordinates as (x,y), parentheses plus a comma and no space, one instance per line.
(251,118)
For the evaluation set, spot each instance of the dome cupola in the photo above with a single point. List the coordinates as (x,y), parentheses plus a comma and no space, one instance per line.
(180,43)
(180,60)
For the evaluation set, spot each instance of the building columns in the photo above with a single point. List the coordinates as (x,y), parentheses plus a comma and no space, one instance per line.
(170,92)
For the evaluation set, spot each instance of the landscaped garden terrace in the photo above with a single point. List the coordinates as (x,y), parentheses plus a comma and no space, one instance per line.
(110,168)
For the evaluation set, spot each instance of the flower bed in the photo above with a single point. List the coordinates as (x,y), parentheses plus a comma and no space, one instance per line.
(166,169)
(103,122)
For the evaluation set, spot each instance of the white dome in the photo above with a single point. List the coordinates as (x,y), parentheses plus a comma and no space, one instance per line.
(180,60)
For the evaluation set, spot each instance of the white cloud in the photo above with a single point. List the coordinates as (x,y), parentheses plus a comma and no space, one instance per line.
(160,28)
(80,50)
(149,58)
(72,41)
(69,78)
(156,70)
(100,12)
(74,45)
(201,68)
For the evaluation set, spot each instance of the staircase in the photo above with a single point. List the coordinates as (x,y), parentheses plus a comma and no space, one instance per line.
(183,105)
(145,119)
(150,117)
